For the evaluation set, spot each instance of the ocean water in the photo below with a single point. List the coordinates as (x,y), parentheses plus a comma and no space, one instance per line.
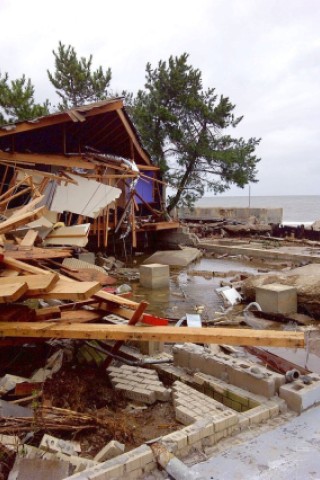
(296,208)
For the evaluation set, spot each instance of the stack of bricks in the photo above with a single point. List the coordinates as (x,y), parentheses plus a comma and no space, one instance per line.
(130,465)
(191,405)
(139,384)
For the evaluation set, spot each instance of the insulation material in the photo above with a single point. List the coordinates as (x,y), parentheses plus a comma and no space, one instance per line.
(87,198)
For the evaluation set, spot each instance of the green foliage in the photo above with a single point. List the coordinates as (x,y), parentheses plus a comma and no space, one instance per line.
(17,100)
(184,128)
(74,80)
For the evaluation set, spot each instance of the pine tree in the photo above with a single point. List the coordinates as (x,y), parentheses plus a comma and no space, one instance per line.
(74,80)
(17,101)
(186,130)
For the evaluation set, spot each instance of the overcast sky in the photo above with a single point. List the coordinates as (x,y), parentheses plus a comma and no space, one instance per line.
(263,54)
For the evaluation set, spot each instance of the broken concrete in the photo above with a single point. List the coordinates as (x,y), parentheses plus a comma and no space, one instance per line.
(174,258)
(305,279)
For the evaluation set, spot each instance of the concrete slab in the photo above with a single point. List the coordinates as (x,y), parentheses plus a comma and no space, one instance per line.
(174,258)
(288,452)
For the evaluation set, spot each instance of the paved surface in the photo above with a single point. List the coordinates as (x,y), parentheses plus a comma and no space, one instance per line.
(289,452)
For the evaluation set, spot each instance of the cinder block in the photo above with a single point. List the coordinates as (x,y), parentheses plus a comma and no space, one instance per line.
(111,450)
(138,457)
(184,416)
(154,275)
(300,396)
(277,298)
(180,438)
(53,444)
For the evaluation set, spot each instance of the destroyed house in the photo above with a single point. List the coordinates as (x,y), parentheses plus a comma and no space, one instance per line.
(88,167)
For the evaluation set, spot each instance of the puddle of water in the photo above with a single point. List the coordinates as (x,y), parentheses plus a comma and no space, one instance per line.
(187,292)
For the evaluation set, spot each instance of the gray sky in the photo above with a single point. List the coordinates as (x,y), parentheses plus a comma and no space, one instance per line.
(263,54)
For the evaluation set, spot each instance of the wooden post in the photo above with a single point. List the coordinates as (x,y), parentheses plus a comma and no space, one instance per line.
(107,227)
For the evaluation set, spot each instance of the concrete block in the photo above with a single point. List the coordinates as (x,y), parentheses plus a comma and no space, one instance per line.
(300,396)
(111,450)
(184,416)
(138,458)
(154,275)
(150,467)
(277,298)
(180,438)
(52,444)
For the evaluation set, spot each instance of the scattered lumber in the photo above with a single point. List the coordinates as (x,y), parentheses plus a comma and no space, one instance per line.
(18,220)
(69,290)
(36,284)
(234,336)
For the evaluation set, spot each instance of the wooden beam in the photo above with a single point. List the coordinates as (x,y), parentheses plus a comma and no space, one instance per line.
(29,239)
(14,222)
(116,299)
(12,291)
(57,118)
(23,267)
(28,207)
(69,290)
(231,336)
(37,284)
(133,137)
(54,160)
(37,253)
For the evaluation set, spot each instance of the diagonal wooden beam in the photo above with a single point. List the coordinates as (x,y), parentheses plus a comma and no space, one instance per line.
(133,137)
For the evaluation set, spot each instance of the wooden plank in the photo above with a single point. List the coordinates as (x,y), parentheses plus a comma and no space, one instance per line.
(38,159)
(69,290)
(37,284)
(232,336)
(7,272)
(109,297)
(29,239)
(12,291)
(151,227)
(29,207)
(81,316)
(14,222)
(23,267)
(8,192)
(38,253)
(47,313)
